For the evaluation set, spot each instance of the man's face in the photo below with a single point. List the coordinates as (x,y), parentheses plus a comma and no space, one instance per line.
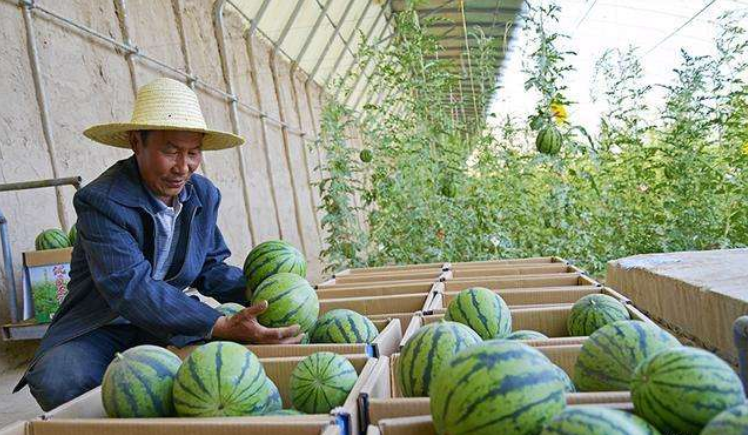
(166,160)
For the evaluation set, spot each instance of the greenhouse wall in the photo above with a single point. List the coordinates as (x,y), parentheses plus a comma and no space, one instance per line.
(68,65)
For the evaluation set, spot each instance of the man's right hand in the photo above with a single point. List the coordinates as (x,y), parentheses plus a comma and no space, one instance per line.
(243,327)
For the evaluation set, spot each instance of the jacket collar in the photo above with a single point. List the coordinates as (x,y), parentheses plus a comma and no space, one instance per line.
(127,188)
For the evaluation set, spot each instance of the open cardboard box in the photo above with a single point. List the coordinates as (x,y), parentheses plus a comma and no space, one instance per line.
(521,269)
(388,269)
(430,274)
(380,397)
(385,344)
(85,415)
(521,281)
(550,320)
(463,265)
(331,284)
(537,297)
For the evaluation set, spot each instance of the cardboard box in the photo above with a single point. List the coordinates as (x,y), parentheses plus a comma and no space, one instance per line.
(45,279)
(537,297)
(431,274)
(696,295)
(457,266)
(85,415)
(407,303)
(331,284)
(521,281)
(385,344)
(388,269)
(380,398)
(549,320)
(526,269)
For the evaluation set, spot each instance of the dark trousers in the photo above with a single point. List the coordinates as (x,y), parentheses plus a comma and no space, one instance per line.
(77,366)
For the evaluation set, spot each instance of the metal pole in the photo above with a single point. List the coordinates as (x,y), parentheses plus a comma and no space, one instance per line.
(310,37)
(56,182)
(41,98)
(348,42)
(121,8)
(220,30)
(287,27)
(363,70)
(9,274)
(330,40)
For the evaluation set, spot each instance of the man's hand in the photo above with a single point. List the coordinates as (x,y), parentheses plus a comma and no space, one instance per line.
(243,327)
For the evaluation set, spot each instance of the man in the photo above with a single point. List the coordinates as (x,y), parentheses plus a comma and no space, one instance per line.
(146,231)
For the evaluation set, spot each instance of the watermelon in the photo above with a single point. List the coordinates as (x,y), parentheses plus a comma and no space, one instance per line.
(680,389)
(283,412)
(642,423)
(483,311)
(525,334)
(426,351)
(343,326)
(229,308)
(52,239)
(608,359)
(499,387)
(321,382)
(274,401)
(269,258)
(734,421)
(594,311)
(569,386)
(549,140)
(584,420)
(291,300)
(220,379)
(73,235)
(366,155)
(138,383)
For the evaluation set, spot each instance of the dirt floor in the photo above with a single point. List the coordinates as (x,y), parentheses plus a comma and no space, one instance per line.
(19,406)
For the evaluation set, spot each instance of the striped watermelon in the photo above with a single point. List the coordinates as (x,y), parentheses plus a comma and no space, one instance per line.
(73,235)
(138,383)
(549,140)
(679,390)
(343,326)
(321,382)
(424,354)
(642,423)
(588,420)
(569,386)
(52,239)
(284,412)
(291,300)
(734,421)
(483,311)
(525,334)
(269,258)
(274,401)
(499,387)
(220,379)
(229,308)
(594,311)
(608,359)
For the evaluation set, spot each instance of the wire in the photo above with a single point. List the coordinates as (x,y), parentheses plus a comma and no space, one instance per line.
(682,26)
(584,17)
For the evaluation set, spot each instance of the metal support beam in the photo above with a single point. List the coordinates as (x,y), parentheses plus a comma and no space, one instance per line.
(348,43)
(254,22)
(121,8)
(367,38)
(331,39)
(289,23)
(363,72)
(310,37)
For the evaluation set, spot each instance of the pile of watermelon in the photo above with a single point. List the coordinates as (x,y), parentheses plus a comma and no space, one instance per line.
(56,238)
(482,379)
(219,379)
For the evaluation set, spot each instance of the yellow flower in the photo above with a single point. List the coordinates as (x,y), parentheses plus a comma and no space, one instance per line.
(559,113)
(745,149)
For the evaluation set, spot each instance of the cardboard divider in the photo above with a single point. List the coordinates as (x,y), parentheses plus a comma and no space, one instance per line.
(386,343)
(402,318)
(523,281)
(378,290)
(431,274)
(388,269)
(380,398)
(86,415)
(527,269)
(378,304)
(363,285)
(462,265)
(550,320)
(538,297)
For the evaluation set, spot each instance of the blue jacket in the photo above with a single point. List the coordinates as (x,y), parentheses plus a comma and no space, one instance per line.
(110,271)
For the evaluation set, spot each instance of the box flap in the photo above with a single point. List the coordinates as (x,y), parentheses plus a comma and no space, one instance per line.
(47,257)
(17,428)
(407,426)
(514,281)
(520,269)
(376,305)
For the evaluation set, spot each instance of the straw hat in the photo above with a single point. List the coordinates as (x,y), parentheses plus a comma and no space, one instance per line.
(163,104)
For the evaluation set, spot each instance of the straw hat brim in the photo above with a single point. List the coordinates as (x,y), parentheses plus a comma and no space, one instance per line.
(116,135)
